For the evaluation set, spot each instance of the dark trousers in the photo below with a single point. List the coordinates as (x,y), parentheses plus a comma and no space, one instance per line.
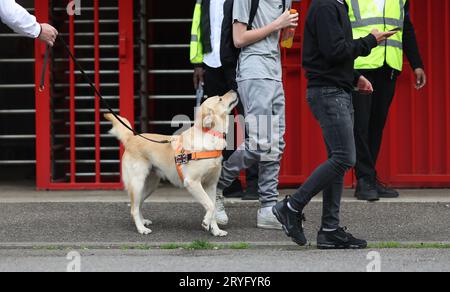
(371,113)
(333,108)
(219,81)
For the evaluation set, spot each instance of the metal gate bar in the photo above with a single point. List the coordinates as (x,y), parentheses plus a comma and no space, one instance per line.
(97,85)
(73,167)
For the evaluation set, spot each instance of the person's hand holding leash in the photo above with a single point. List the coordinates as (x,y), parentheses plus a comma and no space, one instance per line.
(199,77)
(48,34)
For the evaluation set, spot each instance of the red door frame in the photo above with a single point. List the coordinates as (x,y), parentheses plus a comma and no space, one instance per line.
(43,122)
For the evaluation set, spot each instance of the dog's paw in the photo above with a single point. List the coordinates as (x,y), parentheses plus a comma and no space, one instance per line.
(220,233)
(147,222)
(144,231)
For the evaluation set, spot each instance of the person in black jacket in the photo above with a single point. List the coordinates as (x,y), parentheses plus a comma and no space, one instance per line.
(371,112)
(329,52)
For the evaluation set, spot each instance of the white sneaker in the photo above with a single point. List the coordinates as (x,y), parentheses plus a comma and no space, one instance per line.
(266,219)
(221,214)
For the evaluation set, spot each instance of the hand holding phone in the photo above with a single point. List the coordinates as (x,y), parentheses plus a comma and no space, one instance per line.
(382,36)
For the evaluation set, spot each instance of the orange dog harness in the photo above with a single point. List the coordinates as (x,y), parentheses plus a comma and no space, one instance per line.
(183,157)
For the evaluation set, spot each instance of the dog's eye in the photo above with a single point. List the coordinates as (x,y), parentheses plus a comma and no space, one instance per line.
(221,100)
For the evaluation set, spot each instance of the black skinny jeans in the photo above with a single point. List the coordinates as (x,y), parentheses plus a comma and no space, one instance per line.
(333,108)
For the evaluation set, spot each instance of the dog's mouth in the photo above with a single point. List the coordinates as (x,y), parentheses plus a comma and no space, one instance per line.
(233,104)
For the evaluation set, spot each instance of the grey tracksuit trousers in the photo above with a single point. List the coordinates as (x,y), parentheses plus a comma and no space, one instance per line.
(264,106)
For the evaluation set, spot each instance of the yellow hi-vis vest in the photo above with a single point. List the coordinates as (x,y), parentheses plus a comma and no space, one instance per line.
(196,55)
(366,16)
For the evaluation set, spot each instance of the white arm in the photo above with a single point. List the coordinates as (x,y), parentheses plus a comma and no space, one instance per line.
(18,19)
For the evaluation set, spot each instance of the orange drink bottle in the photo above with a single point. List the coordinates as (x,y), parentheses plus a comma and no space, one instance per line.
(287,39)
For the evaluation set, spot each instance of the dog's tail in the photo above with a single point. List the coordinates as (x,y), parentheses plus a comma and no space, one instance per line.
(118,130)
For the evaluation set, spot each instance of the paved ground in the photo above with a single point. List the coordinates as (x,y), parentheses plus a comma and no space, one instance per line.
(33,223)
(181,222)
(225,260)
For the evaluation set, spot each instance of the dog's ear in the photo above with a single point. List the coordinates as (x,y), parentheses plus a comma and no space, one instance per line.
(208,118)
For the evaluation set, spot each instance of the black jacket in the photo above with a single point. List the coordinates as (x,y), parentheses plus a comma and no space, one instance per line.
(206,26)
(329,50)
(410,46)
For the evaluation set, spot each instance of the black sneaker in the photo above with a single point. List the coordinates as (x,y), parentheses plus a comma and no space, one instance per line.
(366,191)
(384,191)
(291,222)
(339,239)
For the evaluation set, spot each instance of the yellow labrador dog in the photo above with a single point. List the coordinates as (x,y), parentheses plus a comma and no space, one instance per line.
(191,160)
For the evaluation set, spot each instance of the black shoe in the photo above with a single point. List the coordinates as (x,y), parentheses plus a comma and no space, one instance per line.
(234,191)
(384,191)
(339,239)
(291,221)
(366,191)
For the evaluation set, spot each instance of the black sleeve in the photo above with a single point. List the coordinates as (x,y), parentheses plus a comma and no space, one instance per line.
(332,41)
(356,76)
(410,45)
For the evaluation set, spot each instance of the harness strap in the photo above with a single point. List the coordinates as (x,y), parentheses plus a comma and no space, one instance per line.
(183,158)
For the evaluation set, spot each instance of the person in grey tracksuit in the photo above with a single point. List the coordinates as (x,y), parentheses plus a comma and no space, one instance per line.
(259,78)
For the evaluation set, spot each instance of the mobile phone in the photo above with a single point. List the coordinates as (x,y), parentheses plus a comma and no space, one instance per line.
(396,29)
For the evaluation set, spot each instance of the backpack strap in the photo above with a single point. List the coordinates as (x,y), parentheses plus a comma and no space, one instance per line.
(253,11)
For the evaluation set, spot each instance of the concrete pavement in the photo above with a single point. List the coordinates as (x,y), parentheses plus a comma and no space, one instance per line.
(226,260)
(37,229)
(106,223)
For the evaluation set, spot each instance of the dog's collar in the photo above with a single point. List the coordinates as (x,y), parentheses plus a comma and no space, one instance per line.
(214,133)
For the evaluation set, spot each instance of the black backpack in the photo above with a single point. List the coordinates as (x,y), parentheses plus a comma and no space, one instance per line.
(229,54)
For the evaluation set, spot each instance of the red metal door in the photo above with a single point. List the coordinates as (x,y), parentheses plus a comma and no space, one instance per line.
(70,130)
(416,150)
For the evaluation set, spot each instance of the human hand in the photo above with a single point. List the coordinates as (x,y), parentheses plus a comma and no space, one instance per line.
(48,34)
(382,36)
(199,75)
(421,78)
(364,86)
(287,20)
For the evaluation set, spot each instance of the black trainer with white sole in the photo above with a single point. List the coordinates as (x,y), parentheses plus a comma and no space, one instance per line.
(292,222)
(339,239)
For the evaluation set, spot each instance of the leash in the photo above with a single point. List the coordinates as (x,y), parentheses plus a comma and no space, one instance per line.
(44,69)
(88,80)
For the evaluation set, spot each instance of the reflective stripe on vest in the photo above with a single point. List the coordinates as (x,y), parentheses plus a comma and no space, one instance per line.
(365,16)
(196,54)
